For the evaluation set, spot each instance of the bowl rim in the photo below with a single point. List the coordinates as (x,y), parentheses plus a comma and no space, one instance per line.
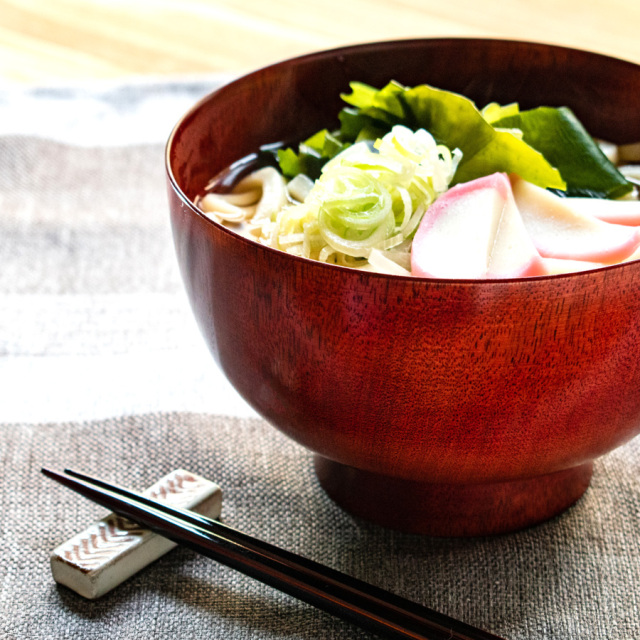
(346,49)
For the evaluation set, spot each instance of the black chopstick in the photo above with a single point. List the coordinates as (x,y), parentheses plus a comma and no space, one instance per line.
(353,600)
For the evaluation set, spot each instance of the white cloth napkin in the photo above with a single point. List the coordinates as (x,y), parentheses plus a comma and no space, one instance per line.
(93,319)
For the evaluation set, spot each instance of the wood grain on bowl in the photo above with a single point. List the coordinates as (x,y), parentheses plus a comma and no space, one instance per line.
(482,401)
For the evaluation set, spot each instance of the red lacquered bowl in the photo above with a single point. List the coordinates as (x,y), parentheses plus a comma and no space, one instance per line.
(435,406)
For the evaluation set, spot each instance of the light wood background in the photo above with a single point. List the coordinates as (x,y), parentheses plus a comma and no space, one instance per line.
(45,41)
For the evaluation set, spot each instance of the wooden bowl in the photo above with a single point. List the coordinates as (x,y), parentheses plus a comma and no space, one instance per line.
(445,407)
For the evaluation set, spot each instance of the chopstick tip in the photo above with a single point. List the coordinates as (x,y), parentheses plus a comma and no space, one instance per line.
(55,475)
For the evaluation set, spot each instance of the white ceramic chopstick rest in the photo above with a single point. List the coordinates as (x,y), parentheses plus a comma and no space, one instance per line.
(113,549)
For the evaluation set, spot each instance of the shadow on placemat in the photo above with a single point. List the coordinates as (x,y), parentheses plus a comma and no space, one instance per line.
(572,577)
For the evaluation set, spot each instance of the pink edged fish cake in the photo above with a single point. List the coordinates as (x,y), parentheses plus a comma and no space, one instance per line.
(560,230)
(474,230)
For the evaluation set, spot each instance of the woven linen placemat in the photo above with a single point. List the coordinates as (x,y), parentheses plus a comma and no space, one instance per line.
(574,577)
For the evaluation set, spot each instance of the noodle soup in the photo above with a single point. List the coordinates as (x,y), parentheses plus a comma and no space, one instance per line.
(360,196)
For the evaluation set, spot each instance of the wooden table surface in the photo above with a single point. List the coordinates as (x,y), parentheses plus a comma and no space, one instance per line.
(43,41)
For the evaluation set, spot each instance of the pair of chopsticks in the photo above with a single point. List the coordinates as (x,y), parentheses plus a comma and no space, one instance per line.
(353,600)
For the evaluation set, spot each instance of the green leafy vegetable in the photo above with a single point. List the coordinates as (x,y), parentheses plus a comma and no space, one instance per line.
(545,146)
(494,111)
(455,121)
(560,136)
(312,155)
(384,105)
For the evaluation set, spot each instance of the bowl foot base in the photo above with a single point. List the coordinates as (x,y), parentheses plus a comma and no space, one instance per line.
(440,509)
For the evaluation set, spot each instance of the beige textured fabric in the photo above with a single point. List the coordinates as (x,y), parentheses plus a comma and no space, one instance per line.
(575,577)
(94,326)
